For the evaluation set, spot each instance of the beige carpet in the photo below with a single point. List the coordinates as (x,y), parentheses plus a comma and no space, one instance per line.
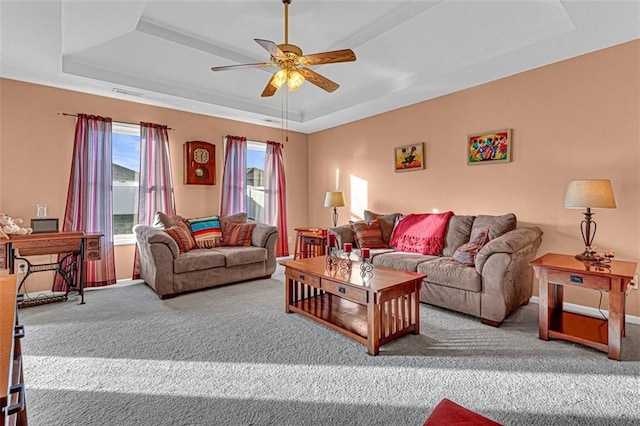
(231,356)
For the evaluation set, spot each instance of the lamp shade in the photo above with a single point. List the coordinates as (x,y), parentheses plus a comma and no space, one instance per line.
(334,199)
(591,193)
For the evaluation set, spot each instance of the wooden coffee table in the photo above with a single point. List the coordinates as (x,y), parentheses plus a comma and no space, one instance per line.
(371,312)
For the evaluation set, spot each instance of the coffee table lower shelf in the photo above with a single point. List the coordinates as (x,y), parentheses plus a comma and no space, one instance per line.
(351,319)
(579,328)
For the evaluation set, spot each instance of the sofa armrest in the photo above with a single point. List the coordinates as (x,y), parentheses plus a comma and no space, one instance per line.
(509,243)
(146,235)
(343,234)
(261,234)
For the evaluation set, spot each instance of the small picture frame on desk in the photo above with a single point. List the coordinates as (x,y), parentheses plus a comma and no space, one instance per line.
(41,226)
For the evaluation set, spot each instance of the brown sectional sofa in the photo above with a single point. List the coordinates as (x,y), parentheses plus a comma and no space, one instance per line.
(500,281)
(169,272)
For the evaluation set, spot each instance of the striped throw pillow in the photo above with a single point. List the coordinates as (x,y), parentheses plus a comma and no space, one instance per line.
(237,234)
(368,234)
(181,233)
(206,231)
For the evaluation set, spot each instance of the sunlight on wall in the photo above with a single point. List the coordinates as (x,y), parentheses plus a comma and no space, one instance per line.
(359,197)
(337,178)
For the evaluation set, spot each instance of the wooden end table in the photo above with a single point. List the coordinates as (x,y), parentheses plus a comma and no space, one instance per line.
(555,271)
(372,313)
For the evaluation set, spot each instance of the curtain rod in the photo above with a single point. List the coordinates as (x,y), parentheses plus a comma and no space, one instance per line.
(279,143)
(117,121)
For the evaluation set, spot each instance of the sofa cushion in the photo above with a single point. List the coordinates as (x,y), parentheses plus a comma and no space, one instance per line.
(421,233)
(466,253)
(368,234)
(387,222)
(449,273)
(198,260)
(458,233)
(164,221)
(237,234)
(181,233)
(206,231)
(400,260)
(237,256)
(497,225)
(235,218)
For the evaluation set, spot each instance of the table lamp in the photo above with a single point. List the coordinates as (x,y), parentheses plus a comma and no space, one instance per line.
(335,200)
(588,194)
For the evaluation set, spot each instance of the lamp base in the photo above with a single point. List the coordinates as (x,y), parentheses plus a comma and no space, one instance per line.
(589,256)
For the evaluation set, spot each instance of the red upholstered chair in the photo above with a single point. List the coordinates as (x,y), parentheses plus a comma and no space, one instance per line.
(448,413)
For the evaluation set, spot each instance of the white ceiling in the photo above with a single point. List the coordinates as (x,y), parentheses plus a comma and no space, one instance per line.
(408,51)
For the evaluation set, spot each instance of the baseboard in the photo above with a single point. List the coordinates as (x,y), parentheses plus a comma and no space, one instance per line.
(585,310)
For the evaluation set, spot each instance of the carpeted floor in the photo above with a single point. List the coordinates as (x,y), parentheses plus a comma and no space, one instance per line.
(231,356)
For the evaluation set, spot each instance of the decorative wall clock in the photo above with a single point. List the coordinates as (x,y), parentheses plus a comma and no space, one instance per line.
(199,163)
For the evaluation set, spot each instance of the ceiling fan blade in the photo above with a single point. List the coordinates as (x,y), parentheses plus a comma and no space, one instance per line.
(237,67)
(271,47)
(270,89)
(344,55)
(320,81)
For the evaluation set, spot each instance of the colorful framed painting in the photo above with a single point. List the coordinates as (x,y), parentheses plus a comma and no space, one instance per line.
(489,147)
(409,157)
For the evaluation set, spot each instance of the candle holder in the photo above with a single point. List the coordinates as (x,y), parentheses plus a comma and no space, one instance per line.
(345,264)
(366,268)
(332,258)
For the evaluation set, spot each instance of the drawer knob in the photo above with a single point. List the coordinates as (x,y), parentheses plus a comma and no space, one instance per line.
(342,290)
(301,276)
(576,279)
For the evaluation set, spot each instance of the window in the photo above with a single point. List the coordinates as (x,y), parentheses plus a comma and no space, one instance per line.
(255,180)
(125,165)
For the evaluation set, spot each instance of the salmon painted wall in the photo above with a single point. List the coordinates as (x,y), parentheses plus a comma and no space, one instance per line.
(36,145)
(576,119)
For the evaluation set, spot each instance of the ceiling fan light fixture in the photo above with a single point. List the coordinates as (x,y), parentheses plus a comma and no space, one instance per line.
(279,79)
(295,80)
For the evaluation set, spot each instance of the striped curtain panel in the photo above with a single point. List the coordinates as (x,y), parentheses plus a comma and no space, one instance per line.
(234,186)
(155,191)
(89,197)
(275,195)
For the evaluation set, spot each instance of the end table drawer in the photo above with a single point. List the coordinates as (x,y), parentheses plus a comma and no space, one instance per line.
(345,291)
(578,279)
(303,277)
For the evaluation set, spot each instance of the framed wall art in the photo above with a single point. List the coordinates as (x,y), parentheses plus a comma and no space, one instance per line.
(489,147)
(409,157)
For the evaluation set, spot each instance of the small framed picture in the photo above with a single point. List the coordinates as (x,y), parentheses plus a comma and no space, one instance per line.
(409,157)
(489,147)
(41,226)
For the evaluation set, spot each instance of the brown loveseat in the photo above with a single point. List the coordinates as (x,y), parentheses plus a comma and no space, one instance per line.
(496,284)
(169,272)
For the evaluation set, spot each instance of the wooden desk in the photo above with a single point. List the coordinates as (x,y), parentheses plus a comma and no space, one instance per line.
(555,271)
(13,409)
(80,248)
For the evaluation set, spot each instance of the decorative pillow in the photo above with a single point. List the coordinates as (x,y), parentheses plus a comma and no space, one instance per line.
(421,233)
(368,234)
(387,222)
(206,231)
(181,233)
(466,253)
(497,225)
(164,221)
(237,234)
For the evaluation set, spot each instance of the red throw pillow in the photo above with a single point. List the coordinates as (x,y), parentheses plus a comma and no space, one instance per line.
(466,253)
(181,233)
(237,234)
(368,234)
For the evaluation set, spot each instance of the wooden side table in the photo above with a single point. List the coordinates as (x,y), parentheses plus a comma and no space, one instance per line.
(555,271)
(310,242)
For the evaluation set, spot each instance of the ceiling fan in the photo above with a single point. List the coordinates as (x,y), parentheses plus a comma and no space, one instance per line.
(293,64)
